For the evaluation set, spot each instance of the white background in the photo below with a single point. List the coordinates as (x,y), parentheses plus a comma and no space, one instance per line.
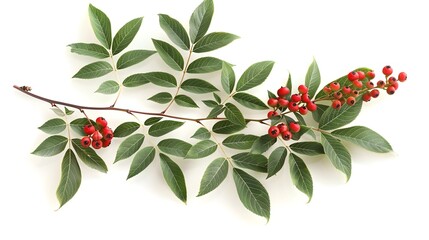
(386,197)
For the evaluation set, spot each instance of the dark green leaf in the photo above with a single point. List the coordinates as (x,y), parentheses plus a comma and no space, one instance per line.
(108,87)
(136,80)
(227,78)
(89,49)
(300,175)
(319,112)
(276,161)
(365,138)
(213,41)
(300,118)
(162,97)
(200,20)
(185,101)
(198,86)
(169,54)
(133,57)
(125,35)
(53,126)
(336,118)
(289,82)
(252,193)
(217,98)
(205,65)
(249,101)
(216,111)
(89,156)
(152,120)
(202,149)
(58,111)
(161,128)
(202,134)
(94,70)
(213,176)
(271,95)
(77,125)
(233,114)
(307,148)
(68,111)
(174,147)
(210,103)
(175,31)
(126,129)
(101,25)
(129,146)
(256,162)
(51,146)
(174,177)
(70,178)
(338,154)
(162,79)
(240,141)
(254,75)
(141,160)
(226,127)
(262,144)
(312,79)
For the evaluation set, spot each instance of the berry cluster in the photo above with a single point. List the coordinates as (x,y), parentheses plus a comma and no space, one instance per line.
(98,136)
(283,130)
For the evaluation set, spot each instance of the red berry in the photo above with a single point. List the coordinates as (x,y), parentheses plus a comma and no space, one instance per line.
(370,75)
(272,102)
(395,85)
(353,76)
(305,98)
(351,101)
(294,127)
(88,129)
(375,93)
(283,91)
(295,98)
(106,143)
(283,102)
(96,136)
(369,85)
(287,135)
(282,127)
(347,90)
(387,70)
(302,89)
(390,90)
(402,77)
(366,97)
(293,107)
(107,133)
(272,114)
(273,131)
(361,75)
(311,106)
(392,80)
(357,84)
(381,84)
(101,121)
(338,95)
(355,93)
(336,104)
(85,142)
(97,144)
(303,110)
(334,86)
(327,90)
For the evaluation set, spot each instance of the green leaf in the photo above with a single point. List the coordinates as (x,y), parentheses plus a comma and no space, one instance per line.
(262,144)
(133,57)
(210,103)
(202,134)
(77,125)
(270,94)
(213,41)
(101,25)
(70,178)
(174,147)
(129,146)
(217,98)
(254,75)
(312,79)
(89,156)
(58,111)
(289,82)
(227,78)
(202,149)
(198,86)
(94,70)
(161,128)
(256,162)
(319,112)
(233,114)
(89,49)
(53,126)
(169,54)
(307,148)
(162,79)
(162,97)
(249,101)
(216,111)
(338,154)
(240,141)
(364,137)
(174,177)
(205,65)
(226,127)
(185,101)
(336,118)
(214,175)
(252,193)
(276,161)
(68,111)
(141,160)
(136,80)
(300,175)
(125,35)
(108,87)
(126,129)
(175,31)
(51,146)
(200,20)
(152,120)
